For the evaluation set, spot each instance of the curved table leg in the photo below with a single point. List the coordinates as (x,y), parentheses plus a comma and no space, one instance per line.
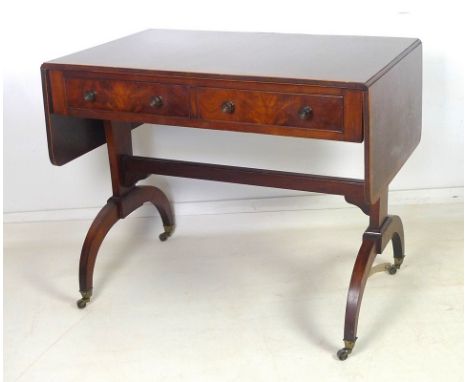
(373,243)
(141,194)
(114,210)
(105,219)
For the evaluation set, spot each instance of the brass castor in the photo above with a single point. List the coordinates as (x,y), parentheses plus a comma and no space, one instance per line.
(346,351)
(168,231)
(81,303)
(392,269)
(343,354)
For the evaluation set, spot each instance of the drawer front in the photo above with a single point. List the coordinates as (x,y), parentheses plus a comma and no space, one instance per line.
(128,96)
(320,112)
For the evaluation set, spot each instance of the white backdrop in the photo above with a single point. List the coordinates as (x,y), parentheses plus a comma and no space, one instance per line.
(38,31)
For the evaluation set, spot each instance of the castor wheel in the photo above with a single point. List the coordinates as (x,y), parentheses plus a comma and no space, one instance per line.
(168,230)
(343,354)
(346,351)
(86,297)
(392,269)
(81,303)
(164,236)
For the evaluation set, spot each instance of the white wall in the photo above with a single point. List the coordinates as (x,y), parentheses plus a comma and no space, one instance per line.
(39,31)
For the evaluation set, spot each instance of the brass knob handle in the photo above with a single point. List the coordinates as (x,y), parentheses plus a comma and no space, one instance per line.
(228,107)
(305,112)
(89,95)
(156,102)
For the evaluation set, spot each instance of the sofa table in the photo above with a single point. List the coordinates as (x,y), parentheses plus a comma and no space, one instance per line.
(356,89)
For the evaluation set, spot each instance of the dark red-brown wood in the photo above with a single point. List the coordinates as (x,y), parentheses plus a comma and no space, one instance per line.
(113,211)
(271,109)
(128,96)
(393,118)
(126,198)
(356,89)
(382,228)
(268,108)
(339,61)
(68,137)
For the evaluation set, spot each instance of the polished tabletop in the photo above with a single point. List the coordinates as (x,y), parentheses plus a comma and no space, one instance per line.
(338,60)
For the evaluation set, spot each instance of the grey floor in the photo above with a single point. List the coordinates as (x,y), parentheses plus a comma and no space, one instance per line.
(234,297)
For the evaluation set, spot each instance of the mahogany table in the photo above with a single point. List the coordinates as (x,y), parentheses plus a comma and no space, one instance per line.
(343,88)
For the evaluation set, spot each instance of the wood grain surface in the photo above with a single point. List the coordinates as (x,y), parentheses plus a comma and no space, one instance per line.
(346,61)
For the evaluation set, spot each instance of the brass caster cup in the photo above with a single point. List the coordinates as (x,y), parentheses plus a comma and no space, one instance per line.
(81,303)
(168,231)
(346,351)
